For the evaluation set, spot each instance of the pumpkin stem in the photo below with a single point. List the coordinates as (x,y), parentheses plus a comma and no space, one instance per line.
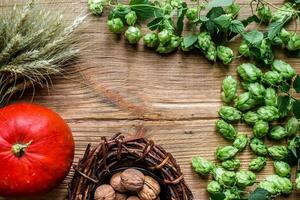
(19,149)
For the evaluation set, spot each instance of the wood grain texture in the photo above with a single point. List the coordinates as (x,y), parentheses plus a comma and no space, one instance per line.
(118,88)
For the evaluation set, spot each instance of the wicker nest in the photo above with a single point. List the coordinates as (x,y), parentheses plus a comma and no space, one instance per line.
(111,155)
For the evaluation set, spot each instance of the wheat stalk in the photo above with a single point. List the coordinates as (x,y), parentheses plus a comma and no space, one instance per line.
(35,43)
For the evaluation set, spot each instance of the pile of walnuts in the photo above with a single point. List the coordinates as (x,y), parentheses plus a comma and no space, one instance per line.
(130,184)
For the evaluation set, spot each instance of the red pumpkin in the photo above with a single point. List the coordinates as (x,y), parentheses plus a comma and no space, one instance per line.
(36,150)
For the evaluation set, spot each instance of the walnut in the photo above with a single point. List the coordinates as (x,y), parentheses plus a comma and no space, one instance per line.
(150,190)
(133,198)
(132,180)
(120,196)
(115,182)
(104,192)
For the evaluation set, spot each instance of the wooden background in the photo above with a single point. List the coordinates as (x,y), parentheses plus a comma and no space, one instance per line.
(118,88)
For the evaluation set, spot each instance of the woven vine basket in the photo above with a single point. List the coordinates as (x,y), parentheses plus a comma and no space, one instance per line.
(112,155)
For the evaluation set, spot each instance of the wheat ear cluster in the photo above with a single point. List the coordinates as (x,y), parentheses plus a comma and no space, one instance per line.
(35,44)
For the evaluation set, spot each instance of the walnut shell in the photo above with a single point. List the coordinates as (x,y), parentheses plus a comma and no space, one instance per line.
(115,182)
(133,198)
(104,192)
(150,190)
(132,180)
(120,196)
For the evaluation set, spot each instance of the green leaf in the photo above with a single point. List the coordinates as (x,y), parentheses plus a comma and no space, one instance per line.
(236,26)
(219,3)
(210,25)
(217,196)
(203,19)
(119,13)
(250,19)
(134,2)
(223,21)
(143,8)
(189,40)
(283,104)
(180,20)
(260,194)
(285,87)
(253,37)
(296,109)
(154,24)
(296,84)
(274,29)
(215,12)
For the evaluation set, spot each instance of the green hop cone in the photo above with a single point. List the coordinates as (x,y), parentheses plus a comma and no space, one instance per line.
(217,173)
(133,34)
(268,113)
(211,53)
(225,54)
(285,13)
(115,25)
(284,35)
(269,186)
(214,187)
(232,194)
(277,133)
(233,9)
(226,130)
(151,40)
(96,6)
(294,42)
(266,52)
(240,142)
(285,70)
(131,18)
(204,41)
(230,114)
(244,49)
(249,72)
(245,102)
(175,41)
(229,89)
(278,152)
(271,97)
(258,147)
(260,129)
(264,13)
(231,165)
(257,164)
(272,78)
(228,178)
(191,14)
(282,169)
(297,181)
(283,185)
(245,178)
(175,3)
(257,90)
(292,126)
(202,166)
(164,48)
(251,117)
(165,36)
(225,153)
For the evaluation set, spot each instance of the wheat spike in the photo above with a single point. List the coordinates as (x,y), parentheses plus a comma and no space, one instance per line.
(35,43)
